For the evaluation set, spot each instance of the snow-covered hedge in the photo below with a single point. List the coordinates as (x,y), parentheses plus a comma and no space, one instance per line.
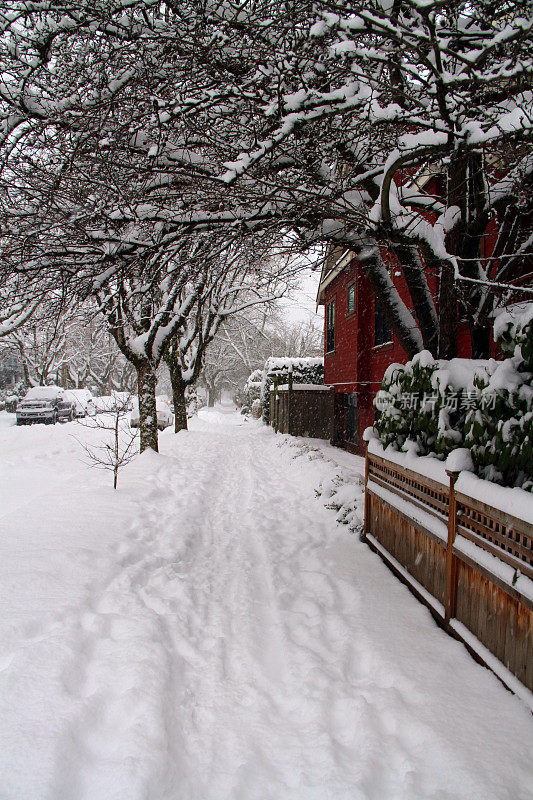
(252,387)
(304,370)
(433,407)
(501,439)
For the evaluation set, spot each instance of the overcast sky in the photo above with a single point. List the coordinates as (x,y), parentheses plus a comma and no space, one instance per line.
(301,305)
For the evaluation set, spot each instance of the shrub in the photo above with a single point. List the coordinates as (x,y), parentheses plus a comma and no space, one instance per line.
(500,437)
(435,407)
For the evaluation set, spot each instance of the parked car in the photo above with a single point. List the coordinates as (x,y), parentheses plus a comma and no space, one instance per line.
(110,402)
(164,414)
(48,404)
(84,402)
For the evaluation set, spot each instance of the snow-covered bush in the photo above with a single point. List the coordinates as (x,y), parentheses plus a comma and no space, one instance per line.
(500,435)
(346,497)
(424,403)
(304,370)
(513,329)
(252,387)
(256,408)
(12,394)
(434,407)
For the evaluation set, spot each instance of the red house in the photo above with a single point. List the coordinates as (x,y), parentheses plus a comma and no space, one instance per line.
(359,344)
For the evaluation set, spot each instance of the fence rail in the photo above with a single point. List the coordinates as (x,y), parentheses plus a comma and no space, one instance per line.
(429,528)
(505,536)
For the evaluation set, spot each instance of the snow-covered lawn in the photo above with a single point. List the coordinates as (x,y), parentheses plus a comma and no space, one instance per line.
(209,632)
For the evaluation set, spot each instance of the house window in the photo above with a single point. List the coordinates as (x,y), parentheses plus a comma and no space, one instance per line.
(351,299)
(382,329)
(330,327)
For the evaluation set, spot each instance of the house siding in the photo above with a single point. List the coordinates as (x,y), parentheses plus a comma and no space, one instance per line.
(356,366)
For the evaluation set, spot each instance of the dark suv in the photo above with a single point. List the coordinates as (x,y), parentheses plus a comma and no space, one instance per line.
(46,404)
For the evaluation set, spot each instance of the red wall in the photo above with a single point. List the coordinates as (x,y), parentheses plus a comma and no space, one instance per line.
(356,364)
(340,366)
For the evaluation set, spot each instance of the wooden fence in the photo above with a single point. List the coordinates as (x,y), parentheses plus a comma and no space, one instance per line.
(462,553)
(301,409)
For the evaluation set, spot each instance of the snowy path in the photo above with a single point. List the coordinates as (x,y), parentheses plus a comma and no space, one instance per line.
(220,638)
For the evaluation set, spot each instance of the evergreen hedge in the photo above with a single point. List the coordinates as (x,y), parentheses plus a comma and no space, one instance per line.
(434,407)
(252,387)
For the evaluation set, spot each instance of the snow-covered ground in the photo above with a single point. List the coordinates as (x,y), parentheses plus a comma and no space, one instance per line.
(209,632)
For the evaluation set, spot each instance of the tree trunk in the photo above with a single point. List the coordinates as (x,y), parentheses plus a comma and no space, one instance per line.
(178,393)
(400,318)
(211,395)
(27,378)
(146,383)
(423,303)
(456,198)
(180,406)
(447,313)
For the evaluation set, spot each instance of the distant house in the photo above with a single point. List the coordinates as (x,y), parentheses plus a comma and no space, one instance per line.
(358,347)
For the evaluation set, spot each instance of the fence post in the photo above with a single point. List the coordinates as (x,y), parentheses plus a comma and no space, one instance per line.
(366,522)
(451,561)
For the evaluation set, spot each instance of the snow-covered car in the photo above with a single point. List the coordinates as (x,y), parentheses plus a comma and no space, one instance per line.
(48,404)
(110,402)
(164,414)
(84,402)
(103,403)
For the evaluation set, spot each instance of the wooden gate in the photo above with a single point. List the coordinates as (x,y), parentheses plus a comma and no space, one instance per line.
(302,409)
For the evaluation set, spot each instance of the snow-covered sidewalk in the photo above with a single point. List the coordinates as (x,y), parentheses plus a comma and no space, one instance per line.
(209,632)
